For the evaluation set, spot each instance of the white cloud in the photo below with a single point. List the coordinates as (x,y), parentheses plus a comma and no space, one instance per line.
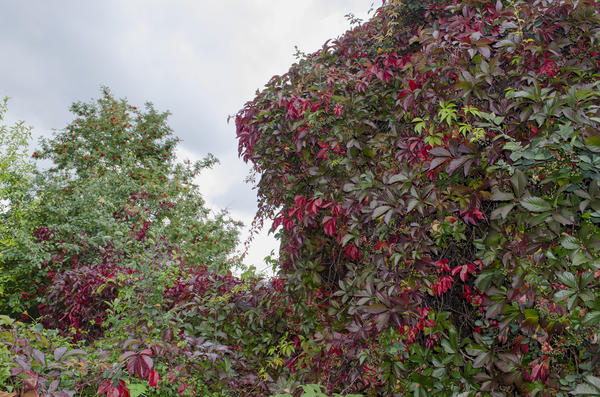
(214,183)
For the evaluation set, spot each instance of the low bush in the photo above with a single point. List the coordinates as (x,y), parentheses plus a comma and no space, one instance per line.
(78,299)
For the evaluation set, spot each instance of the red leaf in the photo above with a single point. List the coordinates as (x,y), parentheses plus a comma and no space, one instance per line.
(464,271)
(140,365)
(329,225)
(442,265)
(105,387)
(122,389)
(380,245)
(443,285)
(403,93)
(463,274)
(472,216)
(109,390)
(413,85)
(314,206)
(153,378)
(540,368)
(182,387)
(352,252)
(300,201)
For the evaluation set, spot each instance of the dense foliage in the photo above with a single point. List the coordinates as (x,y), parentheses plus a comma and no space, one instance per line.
(114,195)
(434,179)
(107,247)
(435,170)
(16,174)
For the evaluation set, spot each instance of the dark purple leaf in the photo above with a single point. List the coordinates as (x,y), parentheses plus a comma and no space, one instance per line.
(39,357)
(59,353)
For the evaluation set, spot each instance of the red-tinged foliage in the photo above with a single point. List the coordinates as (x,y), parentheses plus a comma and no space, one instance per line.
(154,378)
(197,282)
(139,363)
(464,271)
(182,388)
(114,186)
(79,297)
(109,389)
(433,177)
(465,182)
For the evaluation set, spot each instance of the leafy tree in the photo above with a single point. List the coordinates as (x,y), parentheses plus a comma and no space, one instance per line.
(115,194)
(15,174)
(16,204)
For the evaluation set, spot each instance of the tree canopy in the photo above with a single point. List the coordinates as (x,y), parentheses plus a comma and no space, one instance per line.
(114,190)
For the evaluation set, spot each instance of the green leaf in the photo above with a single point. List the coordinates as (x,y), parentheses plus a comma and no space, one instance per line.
(497,195)
(348,187)
(439,373)
(568,279)
(380,211)
(398,178)
(535,204)
(376,308)
(484,279)
(563,220)
(586,296)
(447,347)
(583,194)
(531,315)
(502,211)
(571,301)
(514,147)
(570,243)
(482,360)
(593,141)
(579,258)
(591,318)
(519,183)
(585,389)
(593,381)
(562,294)
(137,389)
(536,220)
(412,203)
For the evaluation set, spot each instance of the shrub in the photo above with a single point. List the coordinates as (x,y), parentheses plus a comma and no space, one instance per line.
(39,362)
(79,297)
(435,170)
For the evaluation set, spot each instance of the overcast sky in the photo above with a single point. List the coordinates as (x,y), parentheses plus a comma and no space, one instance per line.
(200,59)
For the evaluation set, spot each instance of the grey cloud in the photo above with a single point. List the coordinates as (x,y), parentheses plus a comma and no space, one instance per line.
(199,59)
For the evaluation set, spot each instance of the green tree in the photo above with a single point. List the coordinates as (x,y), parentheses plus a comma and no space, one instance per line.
(115,193)
(16,173)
